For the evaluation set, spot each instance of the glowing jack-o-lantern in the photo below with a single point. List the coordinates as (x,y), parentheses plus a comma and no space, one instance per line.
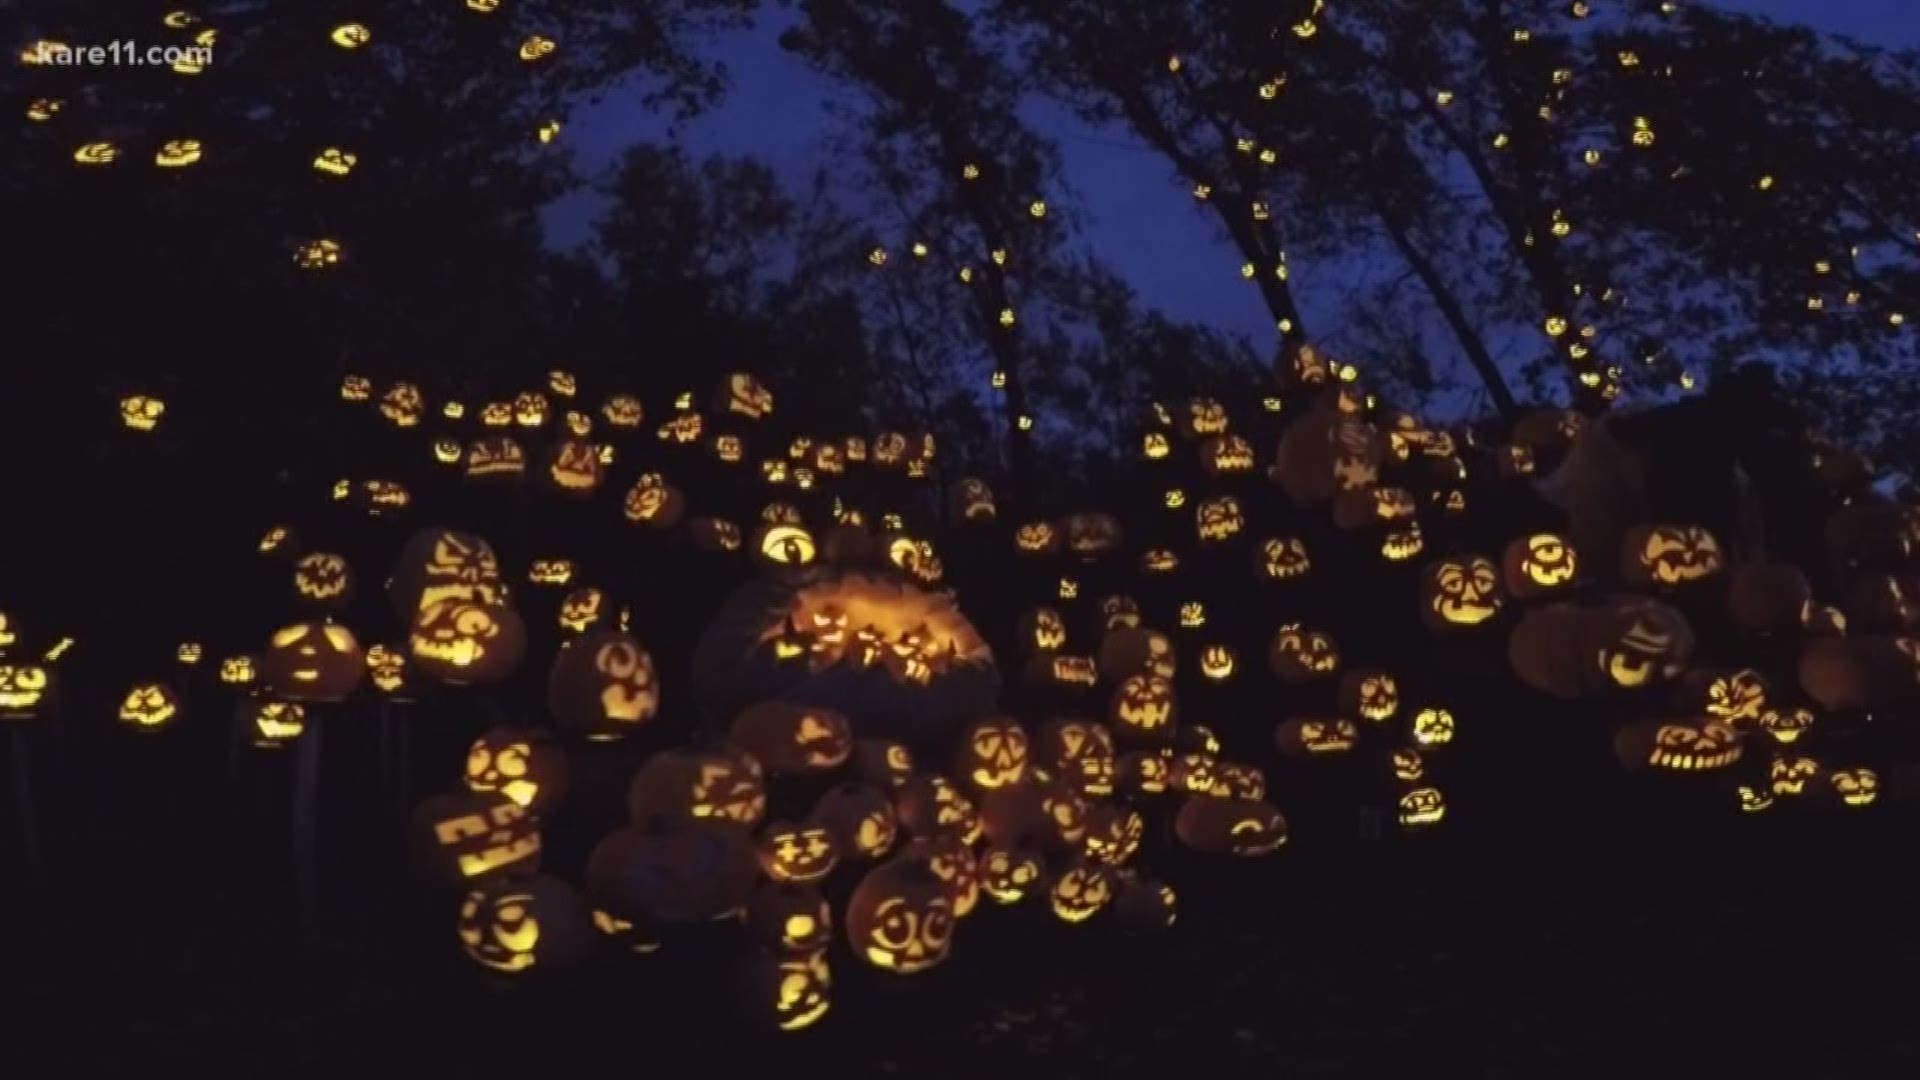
(682,785)
(896,660)
(1218,520)
(96,153)
(1226,455)
(792,991)
(1009,875)
(498,459)
(973,500)
(623,411)
(603,685)
(800,853)
(1785,725)
(522,765)
(792,739)
(237,671)
(27,691)
(788,917)
(1542,564)
(1856,787)
(582,610)
(1421,807)
(1113,835)
(1080,892)
(149,706)
(653,502)
(516,926)
(356,388)
(438,565)
(402,405)
(1433,726)
(1202,417)
(318,254)
(783,546)
(992,753)
(900,917)
(1369,694)
(1143,708)
(313,662)
(1641,642)
(141,412)
(463,642)
(1678,745)
(1283,558)
(531,409)
(574,468)
(743,395)
(932,806)
(1299,654)
(1245,827)
(883,763)
(1789,775)
(1460,593)
(1078,753)
(351,35)
(1669,555)
(465,836)
(387,672)
(860,818)
(270,724)
(322,581)
(333,161)
(1036,538)
(1310,737)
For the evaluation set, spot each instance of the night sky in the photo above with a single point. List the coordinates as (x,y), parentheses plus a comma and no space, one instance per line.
(1138,220)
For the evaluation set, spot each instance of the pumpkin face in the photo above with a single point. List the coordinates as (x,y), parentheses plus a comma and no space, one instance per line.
(1369,694)
(1539,565)
(1080,892)
(1669,555)
(794,989)
(1142,709)
(802,853)
(237,671)
(900,917)
(1785,725)
(896,660)
(1302,655)
(1678,745)
(681,785)
(462,642)
(313,662)
(1036,538)
(498,459)
(574,468)
(272,724)
(623,411)
(149,706)
(1079,753)
(530,409)
(402,405)
(993,753)
(1433,727)
(521,765)
(440,564)
(581,609)
(1422,806)
(931,806)
(1401,544)
(467,836)
(1217,662)
(603,685)
(355,388)
(743,395)
(861,819)
(1043,630)
(973,500)
(1218,520)
(1113,835)
(792,739)
(1789,775)
(653,502)
(514,926)
(1854,787)
(952,861)
(1243,827)
(1010,875)
(1733,697)
(1226,455)
(1307,737)
(322,581)
(1460,593)
(1642,642)
(1407,765)
(1283,558)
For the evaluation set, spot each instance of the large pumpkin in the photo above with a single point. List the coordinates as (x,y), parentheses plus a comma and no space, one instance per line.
(896,660)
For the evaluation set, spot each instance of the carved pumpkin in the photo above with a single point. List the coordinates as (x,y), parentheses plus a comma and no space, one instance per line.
(515,926)
(900,917)
(1245,827)
(1080,891)
(1036,538)
(1283,558)
(1731,696)
(1143,709)
(1218,520)
(861,819)
(1669,555)
(1113,835)
(1641,642)
(440,564)
(603,685)
(1421,806)
(1369,694)
(313,662)
(931,806)
(1309,737)
(271,724)
(654,503)
(525,766)
(1540,565)
(150,706)
(1300,655)
(1433,726)
(1678,745)
(684,785)
(1009,875)
(896,660)
(792,739)
(1460,593)
(322,581)
(804,853)
(992,753)
(463,642)
(574,469)
(495,459)
(465,836)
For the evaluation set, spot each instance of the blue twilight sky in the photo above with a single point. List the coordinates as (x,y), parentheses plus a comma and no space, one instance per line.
(1136,217)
